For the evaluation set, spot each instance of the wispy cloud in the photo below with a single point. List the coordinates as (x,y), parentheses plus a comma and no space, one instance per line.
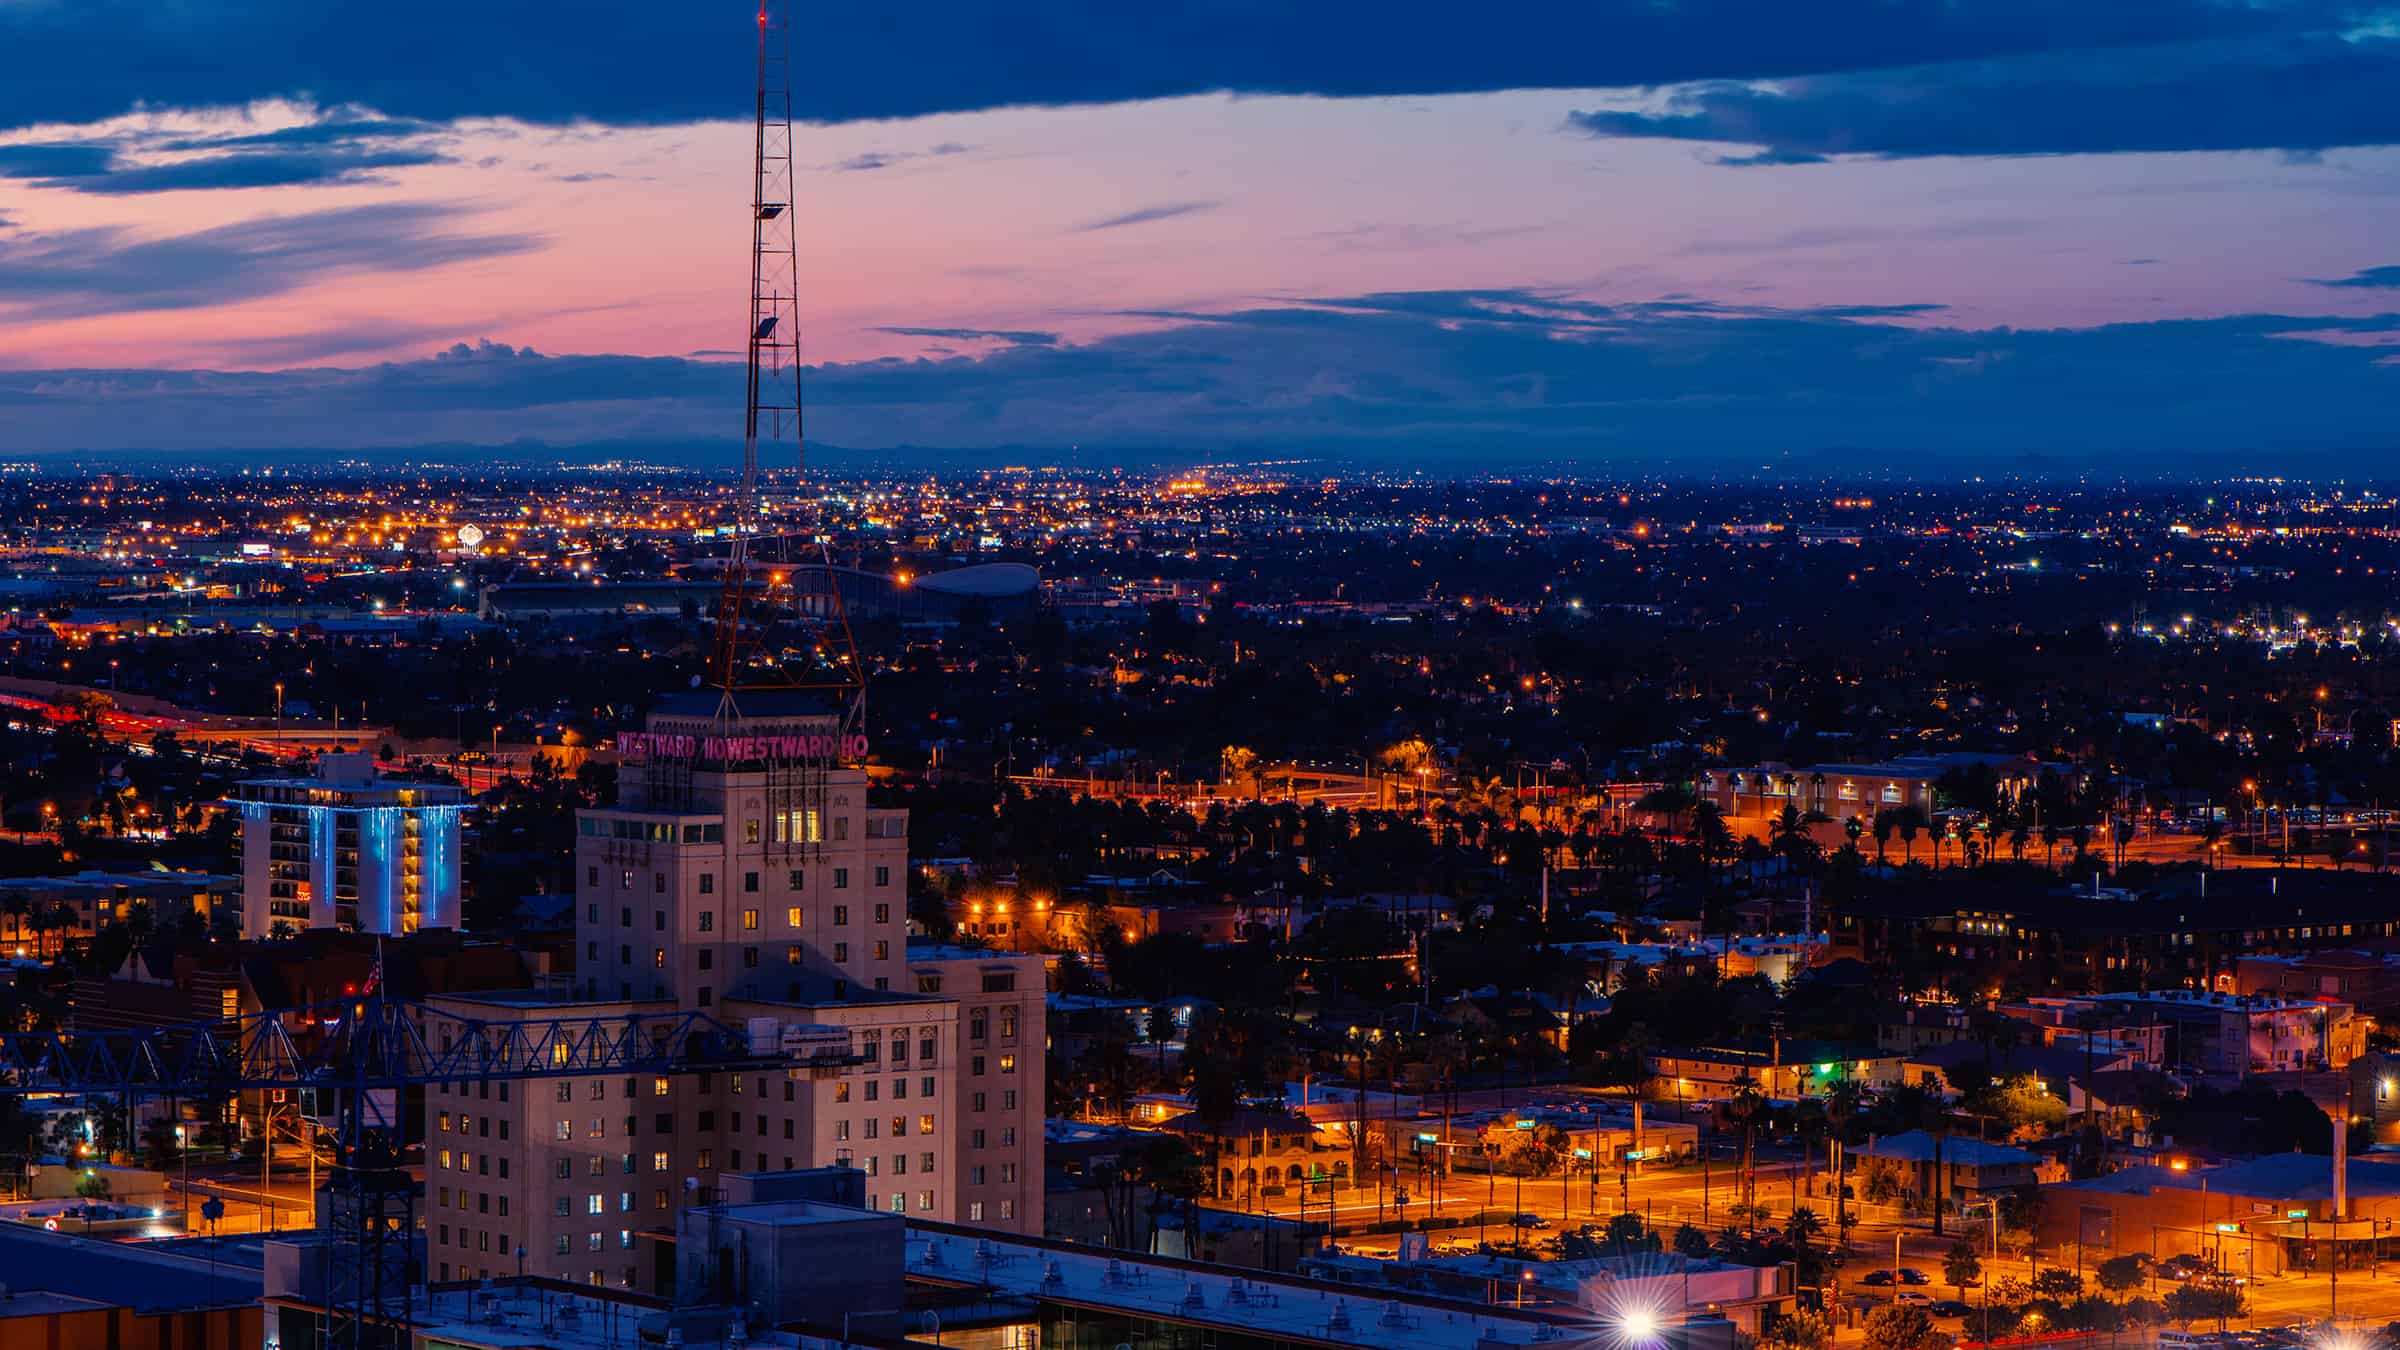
(871,160)
(1147,214)
(295,156)
(109,270)
(1015,337)
(2372,278)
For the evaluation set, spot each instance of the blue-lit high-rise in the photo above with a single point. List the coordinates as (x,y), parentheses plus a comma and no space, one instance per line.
(348,848)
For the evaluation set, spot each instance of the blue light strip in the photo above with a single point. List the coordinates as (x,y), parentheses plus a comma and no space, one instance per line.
(320,865)
(437,857)
(379,868)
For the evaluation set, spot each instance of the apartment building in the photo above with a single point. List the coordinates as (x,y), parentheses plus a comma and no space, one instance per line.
(348,847)
(745,877)
(1000,1108)
(582,1178)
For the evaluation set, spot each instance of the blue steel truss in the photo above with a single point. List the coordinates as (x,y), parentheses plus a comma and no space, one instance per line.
(360,1044)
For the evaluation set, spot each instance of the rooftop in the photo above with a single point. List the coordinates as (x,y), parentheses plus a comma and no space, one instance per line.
(1245,1302)
(1919,1146)
(140,1276)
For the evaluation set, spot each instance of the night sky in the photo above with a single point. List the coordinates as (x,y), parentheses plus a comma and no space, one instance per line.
(1856,233)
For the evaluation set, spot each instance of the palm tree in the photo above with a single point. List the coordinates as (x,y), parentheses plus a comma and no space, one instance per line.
(1670,801)
(1808,1128)
(1745,1108)
(1788,824)
(1843,1103)
(16,906)
(1913,1106)
(1909,820)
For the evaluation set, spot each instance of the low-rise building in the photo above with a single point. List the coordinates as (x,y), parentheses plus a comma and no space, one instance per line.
(2255,1218)
(2223,1036)
(1924,1170)
(1780,1069)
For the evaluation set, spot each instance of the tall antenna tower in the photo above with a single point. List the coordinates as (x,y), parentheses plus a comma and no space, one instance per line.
(772,415)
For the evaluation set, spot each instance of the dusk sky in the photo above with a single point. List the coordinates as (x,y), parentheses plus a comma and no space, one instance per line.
(1693,231)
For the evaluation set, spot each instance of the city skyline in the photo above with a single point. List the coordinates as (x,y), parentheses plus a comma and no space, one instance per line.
(1706,236)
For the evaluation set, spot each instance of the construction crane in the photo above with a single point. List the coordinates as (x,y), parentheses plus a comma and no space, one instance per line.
(350,1051)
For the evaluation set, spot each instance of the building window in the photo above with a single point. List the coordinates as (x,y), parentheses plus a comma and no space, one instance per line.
(708,921)
(791,916)
(708,883)
(750,883)
(749,920)
(841,878)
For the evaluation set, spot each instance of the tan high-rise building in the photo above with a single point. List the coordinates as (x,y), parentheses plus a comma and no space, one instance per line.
(744,876)
(740,858)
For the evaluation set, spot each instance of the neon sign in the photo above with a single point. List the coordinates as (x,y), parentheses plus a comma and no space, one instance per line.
(670,745)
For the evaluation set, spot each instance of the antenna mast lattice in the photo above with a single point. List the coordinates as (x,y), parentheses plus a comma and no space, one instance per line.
(772,413)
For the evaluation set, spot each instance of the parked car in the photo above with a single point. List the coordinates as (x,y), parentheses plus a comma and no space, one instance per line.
(1912,1296)
(1879,1277)
(1529,1221)
(1949,1307)
(2184,1265)
(1912,1275)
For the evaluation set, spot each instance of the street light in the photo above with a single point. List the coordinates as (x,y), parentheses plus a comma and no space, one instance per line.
(184,1152)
